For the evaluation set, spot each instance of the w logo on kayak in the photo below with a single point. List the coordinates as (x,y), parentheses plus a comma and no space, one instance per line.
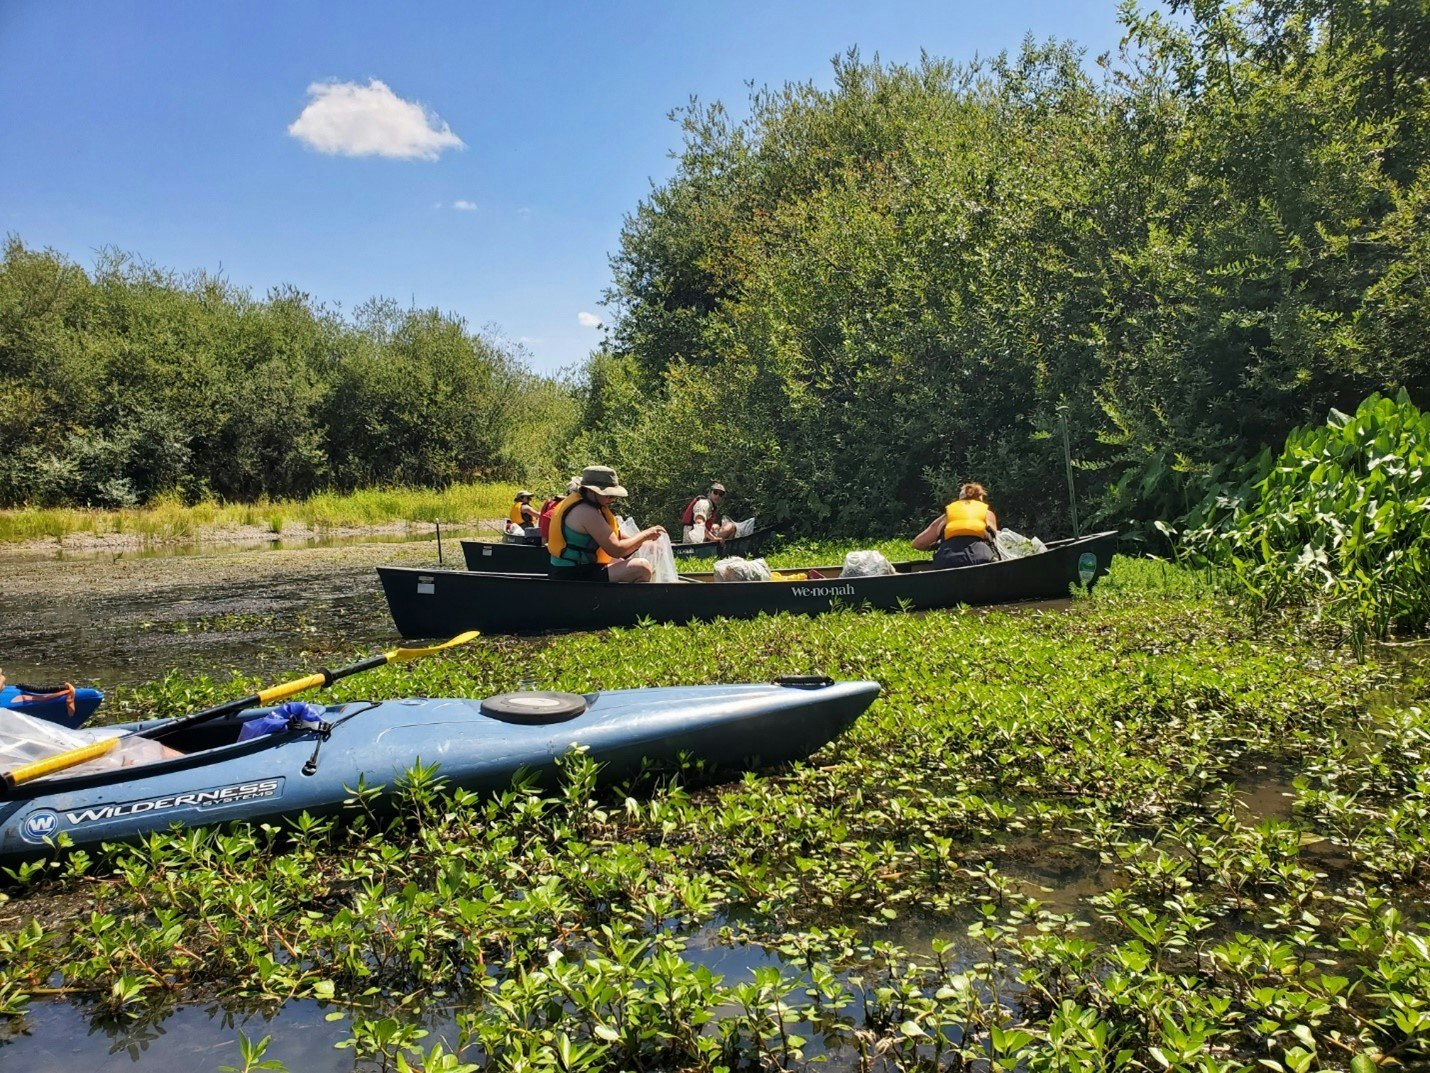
(40,825)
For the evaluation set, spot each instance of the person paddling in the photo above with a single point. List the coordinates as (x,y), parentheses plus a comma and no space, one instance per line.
(585,543)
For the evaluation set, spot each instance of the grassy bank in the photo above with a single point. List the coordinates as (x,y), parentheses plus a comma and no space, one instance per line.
(1143,833)
(173,521)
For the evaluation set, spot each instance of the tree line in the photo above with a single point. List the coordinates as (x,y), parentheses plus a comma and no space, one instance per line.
(853,299)
(130,382)
(845,303)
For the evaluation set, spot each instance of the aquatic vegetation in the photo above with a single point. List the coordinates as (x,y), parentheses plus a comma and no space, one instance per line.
(1038,850)
(1338,522)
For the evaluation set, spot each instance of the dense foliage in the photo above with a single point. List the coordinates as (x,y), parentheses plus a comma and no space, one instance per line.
(1138,833)
(130,382)
(1341,521)
(854,299)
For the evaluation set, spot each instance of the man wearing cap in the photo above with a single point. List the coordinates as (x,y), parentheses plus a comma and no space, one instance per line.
(700,520)
(585,543)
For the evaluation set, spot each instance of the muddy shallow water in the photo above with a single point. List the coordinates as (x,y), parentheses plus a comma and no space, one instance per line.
(116,621)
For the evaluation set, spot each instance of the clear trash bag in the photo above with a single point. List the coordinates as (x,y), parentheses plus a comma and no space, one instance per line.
(745,528)
(657,552)
(25,739)
(737,569)
(1013,545)
(868,563)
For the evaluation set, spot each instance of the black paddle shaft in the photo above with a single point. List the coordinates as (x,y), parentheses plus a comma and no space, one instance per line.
(322,678)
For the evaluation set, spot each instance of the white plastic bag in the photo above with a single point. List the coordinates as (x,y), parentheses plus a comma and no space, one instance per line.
(737,569)
(657,552)
(866,564)
(1013,545)
(25,739)
(662,560)
(745,528)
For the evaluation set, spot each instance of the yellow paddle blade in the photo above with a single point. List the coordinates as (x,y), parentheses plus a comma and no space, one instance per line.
(401,655)
(50,764)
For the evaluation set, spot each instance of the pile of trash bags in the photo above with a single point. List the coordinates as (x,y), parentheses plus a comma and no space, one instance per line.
(867,563)
(735,568)
(1011,545)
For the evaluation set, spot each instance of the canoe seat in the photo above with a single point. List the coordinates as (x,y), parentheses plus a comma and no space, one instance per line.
(534,706)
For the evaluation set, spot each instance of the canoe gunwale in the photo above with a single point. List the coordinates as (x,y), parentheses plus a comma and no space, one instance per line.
(490,557)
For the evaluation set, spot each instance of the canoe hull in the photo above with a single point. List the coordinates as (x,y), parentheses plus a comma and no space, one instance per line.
(440,603)
(511,557)
(733,727)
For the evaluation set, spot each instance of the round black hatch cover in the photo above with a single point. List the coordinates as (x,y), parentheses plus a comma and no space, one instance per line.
(534,706)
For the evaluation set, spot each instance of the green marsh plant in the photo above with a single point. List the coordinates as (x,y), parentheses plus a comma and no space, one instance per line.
(1340,523)
(1035,851)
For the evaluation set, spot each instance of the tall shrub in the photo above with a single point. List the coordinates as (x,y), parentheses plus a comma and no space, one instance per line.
(1341,523)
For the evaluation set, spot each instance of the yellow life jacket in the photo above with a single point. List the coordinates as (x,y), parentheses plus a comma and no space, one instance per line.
(516,515)
(574,550)
(966,517)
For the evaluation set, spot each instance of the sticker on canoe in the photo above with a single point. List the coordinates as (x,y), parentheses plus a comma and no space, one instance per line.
(426,586)
(823,590)
(45,823)
(1086,566)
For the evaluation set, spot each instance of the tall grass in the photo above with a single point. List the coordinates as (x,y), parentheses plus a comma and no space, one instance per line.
(171,520)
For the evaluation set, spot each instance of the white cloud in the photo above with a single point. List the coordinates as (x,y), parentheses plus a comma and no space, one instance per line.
(588,320)
(465,206)
(347,119)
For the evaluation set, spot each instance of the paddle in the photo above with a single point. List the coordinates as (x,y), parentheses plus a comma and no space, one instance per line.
(50,764)
(272,695)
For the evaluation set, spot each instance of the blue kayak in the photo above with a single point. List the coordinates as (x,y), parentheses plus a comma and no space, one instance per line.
(216,771)
(51,703)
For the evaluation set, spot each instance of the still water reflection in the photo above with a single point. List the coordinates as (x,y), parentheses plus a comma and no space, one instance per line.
(56,1037)
(60,1037)
(114,622)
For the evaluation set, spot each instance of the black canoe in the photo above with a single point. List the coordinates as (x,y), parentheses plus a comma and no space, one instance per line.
(511,557)
(440,603)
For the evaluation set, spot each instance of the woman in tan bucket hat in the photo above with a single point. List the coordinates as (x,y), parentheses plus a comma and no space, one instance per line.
(585,541)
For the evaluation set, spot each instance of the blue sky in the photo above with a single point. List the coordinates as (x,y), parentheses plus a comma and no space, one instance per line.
(478,157)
